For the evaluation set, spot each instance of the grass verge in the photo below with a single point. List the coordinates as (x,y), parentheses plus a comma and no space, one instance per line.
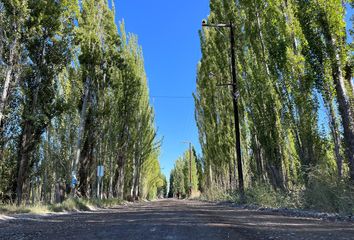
(69,205)
(333,197)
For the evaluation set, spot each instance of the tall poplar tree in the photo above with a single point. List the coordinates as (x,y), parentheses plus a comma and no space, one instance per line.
(47,43)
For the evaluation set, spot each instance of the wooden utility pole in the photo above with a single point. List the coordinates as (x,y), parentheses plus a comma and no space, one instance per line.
(235,95)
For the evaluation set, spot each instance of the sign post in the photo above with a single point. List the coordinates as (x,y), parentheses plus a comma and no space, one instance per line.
(73,183)
(100,173)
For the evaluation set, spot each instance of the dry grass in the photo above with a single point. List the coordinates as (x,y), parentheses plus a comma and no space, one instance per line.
(13,209)
(69,205)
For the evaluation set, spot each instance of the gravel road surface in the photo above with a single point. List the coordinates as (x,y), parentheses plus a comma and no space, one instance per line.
(172,219)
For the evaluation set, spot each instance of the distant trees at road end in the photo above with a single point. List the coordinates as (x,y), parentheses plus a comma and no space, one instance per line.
(186,176)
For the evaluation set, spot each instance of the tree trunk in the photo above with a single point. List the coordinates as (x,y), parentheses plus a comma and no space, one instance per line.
(138,192)
(25,148)
(46,165)
(210,176)
(344,106)
(86,162)
(136,176)
(6,87)
(30,136)
(348,126)
(258,158)
(32,190)
(133,186)
(81,130)
(230,174)
(336,137)
(120,177)
(110,193)
(260,34)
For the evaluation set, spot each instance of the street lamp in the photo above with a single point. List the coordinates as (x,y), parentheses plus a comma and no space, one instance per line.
(235,96)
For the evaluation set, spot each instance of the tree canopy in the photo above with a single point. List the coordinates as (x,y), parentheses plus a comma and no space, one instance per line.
(74,96)
(295,93)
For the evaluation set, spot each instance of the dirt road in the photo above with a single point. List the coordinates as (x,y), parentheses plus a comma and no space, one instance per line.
(172,219)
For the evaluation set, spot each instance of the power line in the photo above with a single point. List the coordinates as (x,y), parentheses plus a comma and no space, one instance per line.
(172,97)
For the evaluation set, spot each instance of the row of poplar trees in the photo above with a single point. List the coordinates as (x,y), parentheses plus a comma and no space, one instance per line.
(186,176)
(295,92)
(74,95)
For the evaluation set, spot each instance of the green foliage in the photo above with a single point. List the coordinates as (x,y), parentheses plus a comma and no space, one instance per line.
(184,176)
(78,98)
(72,204)
(215,194)
(152,178)
(325,192)
(266,196)
(295,90)
(260,195)
(178,183)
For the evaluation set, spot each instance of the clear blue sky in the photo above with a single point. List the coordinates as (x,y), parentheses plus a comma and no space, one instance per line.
(168,33)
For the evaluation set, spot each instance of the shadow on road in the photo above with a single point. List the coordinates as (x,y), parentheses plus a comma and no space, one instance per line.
(173,219)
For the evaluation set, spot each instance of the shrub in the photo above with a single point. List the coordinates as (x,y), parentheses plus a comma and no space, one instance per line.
(13,209)
(264,195)
(110,202)
(326,192)
(215,194)
(71,204)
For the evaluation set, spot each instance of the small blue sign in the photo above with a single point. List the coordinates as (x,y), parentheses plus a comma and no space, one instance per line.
(73,181)
(100,171)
